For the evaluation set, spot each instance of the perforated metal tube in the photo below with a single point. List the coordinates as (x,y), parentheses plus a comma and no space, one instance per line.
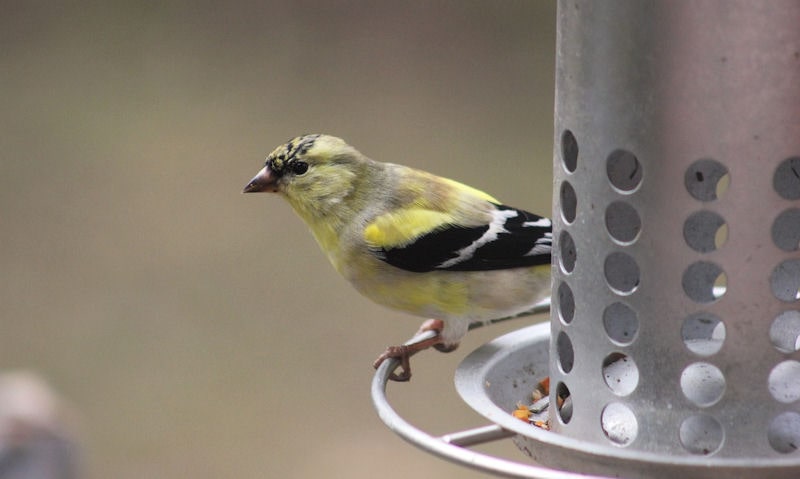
(676,310)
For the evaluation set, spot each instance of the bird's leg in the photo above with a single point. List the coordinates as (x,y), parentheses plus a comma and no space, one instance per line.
(437,325)
(404,352)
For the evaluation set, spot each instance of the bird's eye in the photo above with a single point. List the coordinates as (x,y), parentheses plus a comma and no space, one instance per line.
(299,167)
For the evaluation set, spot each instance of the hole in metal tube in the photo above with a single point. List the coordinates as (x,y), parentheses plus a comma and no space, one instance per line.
(620,323)
(785,280)
(566,355)
(569,151)
(705,231)
(567,253)
(703,384)
(624,171)
(619,424)
(784,381)
(786,230)
(701,434)
(569,202)
(784,432)
(565,411)
(704,282)
(620,373)
(707,179)
(786,180)
(623,222)
(703,333)
(622,273)
(566,303)
(785,332)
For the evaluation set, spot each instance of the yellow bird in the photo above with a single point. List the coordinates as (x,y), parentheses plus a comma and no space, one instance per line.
(411,240)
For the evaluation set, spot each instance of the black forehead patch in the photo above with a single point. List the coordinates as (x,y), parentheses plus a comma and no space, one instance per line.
(290,151)
(299,146)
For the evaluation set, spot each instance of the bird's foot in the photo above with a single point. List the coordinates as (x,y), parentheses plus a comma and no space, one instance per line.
(404,352)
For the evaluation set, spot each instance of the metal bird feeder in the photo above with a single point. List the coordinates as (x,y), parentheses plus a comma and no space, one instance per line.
(675,322)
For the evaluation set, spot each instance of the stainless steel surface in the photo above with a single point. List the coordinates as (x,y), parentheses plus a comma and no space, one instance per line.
(676,268)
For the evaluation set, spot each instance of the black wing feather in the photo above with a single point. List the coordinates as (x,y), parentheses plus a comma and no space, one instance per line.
(509,250)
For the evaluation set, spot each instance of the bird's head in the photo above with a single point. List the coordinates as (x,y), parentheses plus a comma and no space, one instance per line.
(313,172)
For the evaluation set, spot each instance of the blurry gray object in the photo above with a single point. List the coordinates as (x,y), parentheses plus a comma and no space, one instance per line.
(34,444)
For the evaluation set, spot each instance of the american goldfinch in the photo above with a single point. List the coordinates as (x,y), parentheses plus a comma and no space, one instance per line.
(413,241)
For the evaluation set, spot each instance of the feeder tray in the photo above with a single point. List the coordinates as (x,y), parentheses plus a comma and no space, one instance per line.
(500,374)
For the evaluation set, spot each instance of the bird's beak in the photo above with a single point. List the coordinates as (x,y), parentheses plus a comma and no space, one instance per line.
(265,180)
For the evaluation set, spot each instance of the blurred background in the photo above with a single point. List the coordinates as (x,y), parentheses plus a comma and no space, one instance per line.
(197,332)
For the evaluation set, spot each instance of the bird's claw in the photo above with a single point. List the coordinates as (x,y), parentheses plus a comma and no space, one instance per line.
(423,340)
(403,355)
